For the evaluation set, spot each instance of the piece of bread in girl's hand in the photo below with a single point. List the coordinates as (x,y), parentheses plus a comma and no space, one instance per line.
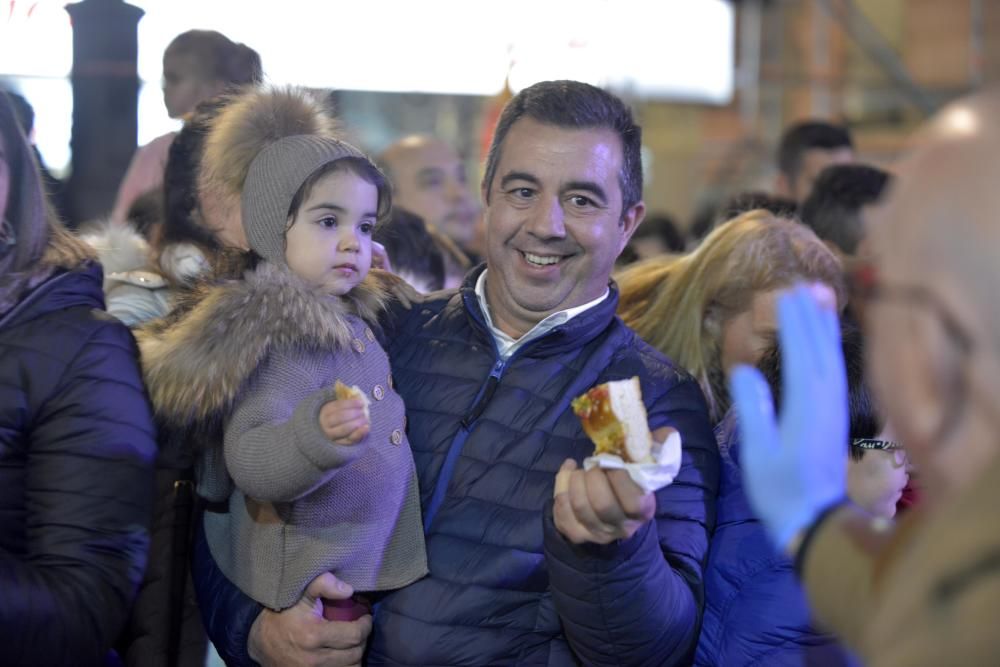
(342,392)
(614,418)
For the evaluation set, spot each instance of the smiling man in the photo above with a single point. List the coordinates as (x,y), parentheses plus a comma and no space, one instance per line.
(598,573)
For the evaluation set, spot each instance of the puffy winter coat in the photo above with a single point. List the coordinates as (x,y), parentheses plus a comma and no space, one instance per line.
(756,612)
(488,438)
(76,470)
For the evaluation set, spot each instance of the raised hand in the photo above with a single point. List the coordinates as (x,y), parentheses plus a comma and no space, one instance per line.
(795,467)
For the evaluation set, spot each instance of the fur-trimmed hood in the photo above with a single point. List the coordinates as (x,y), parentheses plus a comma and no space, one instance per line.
(196,365)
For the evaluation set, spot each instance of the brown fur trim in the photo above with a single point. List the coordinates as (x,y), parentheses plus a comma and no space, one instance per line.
(196,366)
(253,121)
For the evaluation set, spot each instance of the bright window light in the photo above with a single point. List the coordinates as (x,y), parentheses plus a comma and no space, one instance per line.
(679,50)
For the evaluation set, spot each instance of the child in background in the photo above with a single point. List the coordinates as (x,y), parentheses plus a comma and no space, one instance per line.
(197,65)
(308,479)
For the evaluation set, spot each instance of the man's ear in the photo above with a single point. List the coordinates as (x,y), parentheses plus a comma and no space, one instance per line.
(630,222)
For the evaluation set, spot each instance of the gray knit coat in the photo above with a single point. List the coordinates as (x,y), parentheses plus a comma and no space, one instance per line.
(261,356)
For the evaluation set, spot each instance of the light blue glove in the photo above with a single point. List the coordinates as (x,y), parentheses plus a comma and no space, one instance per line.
(796,468)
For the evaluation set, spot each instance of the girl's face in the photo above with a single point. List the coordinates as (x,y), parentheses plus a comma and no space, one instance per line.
(746,337)
(183,84)
(329,243)
(876,482)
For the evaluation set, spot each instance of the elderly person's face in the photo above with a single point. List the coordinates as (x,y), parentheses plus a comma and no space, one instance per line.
(554,221)
(932,321)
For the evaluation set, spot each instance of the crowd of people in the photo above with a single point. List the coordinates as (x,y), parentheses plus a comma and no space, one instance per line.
(313,407)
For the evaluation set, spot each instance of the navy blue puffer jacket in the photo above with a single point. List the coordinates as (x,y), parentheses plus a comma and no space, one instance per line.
(488,438)
(76,471)
(756,613)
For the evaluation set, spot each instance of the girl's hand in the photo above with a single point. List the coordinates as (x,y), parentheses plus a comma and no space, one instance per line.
(344,421)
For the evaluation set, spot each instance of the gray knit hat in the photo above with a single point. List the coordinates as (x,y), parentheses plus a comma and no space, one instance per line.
(275,176)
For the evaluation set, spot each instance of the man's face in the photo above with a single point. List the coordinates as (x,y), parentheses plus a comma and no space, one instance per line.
(554,222)
(907,342)
(814,161)
(429,180)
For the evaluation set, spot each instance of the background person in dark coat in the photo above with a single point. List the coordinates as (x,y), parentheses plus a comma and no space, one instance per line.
(76,437)
(488,373)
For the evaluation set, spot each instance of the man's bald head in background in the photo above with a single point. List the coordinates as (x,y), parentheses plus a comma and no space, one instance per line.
(935,328)
(429,179)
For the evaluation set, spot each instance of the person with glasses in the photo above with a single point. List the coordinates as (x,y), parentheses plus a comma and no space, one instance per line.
(878,468)
(756,612)
(925,591)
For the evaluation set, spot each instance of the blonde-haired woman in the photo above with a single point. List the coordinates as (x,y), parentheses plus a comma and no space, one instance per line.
(708,311)
(715,307)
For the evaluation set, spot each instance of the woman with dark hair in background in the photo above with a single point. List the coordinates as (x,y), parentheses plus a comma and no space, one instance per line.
(142,278)
(197,66)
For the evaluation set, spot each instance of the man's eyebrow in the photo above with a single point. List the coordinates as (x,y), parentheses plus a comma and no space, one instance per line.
(518,176)
(588,186)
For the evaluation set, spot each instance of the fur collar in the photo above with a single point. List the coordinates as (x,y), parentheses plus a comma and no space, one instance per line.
(196,364)
(119,247)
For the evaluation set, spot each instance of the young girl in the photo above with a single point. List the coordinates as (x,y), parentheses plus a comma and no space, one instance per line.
(304,482)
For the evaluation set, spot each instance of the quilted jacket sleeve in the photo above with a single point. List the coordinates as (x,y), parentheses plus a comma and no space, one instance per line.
(88,503)
(639,601)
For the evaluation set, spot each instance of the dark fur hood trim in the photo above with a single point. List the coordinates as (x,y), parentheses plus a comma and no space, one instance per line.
(195,365)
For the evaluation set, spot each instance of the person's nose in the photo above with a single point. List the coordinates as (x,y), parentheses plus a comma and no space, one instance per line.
(547,220)
(347,240)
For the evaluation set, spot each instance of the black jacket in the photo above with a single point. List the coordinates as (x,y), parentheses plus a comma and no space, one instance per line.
(77,447)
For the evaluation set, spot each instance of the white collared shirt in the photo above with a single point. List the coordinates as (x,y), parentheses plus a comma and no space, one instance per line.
(507,345)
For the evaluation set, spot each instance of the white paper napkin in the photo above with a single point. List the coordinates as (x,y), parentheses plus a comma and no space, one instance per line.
(649,476)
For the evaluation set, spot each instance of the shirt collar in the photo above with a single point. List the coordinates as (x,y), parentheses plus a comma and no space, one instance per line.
(507,345)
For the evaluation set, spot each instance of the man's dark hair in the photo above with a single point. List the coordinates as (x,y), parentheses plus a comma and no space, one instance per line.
(709,215)
(809,135)
(864,416)
(753,200)
(663,227)
(833,208)
(574,105)
(411,248)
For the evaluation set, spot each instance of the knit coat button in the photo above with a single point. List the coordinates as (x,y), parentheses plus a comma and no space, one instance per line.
(397,437)
(378,392)
(392,385)
(358,346)
(369,334)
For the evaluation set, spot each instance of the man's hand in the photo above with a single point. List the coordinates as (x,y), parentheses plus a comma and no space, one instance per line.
(344,421)
(300,635)
(598,505)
